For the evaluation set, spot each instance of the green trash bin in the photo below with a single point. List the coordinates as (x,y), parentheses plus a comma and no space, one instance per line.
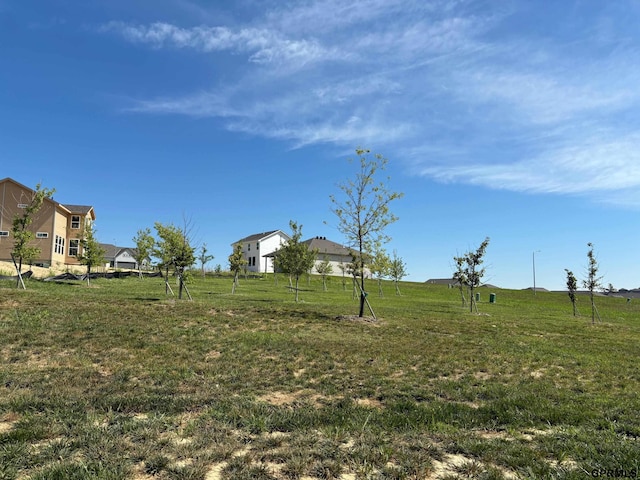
(477,297)
(492,298)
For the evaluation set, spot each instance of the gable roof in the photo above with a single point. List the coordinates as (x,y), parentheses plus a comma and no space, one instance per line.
(327,246)
(260,236)
(82,209)
(111,250)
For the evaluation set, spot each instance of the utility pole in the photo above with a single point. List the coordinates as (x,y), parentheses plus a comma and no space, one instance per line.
(534,270)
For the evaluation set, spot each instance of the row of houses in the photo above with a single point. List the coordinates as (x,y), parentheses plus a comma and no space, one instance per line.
(59,227)
(259,249)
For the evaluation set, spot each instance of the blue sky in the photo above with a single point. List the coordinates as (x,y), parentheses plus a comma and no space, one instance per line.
(516,120)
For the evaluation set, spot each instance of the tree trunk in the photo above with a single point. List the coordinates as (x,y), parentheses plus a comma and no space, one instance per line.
(296,288)
(464,300)
(361,314)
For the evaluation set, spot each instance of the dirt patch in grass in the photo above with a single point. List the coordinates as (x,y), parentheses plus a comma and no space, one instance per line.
(7,421)
(369,403)
(355,318)
(288,398)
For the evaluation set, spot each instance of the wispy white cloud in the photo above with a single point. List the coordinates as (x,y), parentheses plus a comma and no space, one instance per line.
(468,91)
(262,45)
(599,165)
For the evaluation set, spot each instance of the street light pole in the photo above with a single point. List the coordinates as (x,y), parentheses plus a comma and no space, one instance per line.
(533,257)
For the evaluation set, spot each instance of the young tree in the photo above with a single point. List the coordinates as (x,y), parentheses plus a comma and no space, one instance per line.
(236,263)
(295,258)
(204,258)
(593,281)
(572,287)
(91,253)
(174,249)
(343,269)
(144,248)
(22,251)
(324,268)
(380,266)
(363,214)
(471,273)
(460,276)
(397,270)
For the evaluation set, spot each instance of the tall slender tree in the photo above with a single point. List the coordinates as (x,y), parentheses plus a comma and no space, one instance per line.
(91,253)
(174,250)
(380,266)
(593,281)
(204,258)
(144,248)
(363,211)
(22,250)
(236,263)
(397,270)
(572,287)
(460,276)
(469,270)
(324,268)
(294,257)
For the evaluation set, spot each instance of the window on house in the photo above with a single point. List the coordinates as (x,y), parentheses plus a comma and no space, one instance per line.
(4,233)
(59,245)
(42,234)
(258,246)
(73,247)
(248,247)
(75,223)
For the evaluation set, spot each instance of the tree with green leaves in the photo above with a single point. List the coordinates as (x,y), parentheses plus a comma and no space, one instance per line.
(204,258)
(572,287)
(22,251)
(324,268)
(236,263)
(294,257)
(144,248)
(173,249)
(91,253)
(460,276)
(397,270)
(593,281)
(469,271)
(363,211)
(380,266)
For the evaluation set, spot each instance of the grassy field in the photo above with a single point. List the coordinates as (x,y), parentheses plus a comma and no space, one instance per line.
(119,381)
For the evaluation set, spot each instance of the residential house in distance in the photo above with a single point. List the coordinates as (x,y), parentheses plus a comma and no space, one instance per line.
(338,255)
(120,257)
(256,247)
(57,227)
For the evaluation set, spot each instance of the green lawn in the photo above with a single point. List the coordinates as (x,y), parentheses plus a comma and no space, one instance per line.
(119,381)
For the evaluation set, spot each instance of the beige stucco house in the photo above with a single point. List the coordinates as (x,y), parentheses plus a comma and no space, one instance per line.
(57,228)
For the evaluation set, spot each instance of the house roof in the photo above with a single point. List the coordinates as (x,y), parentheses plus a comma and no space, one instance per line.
(259,236)
(442,281)
(82,209)
(111,251)
(327,246)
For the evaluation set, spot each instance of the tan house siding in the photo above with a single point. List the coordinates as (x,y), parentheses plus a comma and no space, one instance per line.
(53,220)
